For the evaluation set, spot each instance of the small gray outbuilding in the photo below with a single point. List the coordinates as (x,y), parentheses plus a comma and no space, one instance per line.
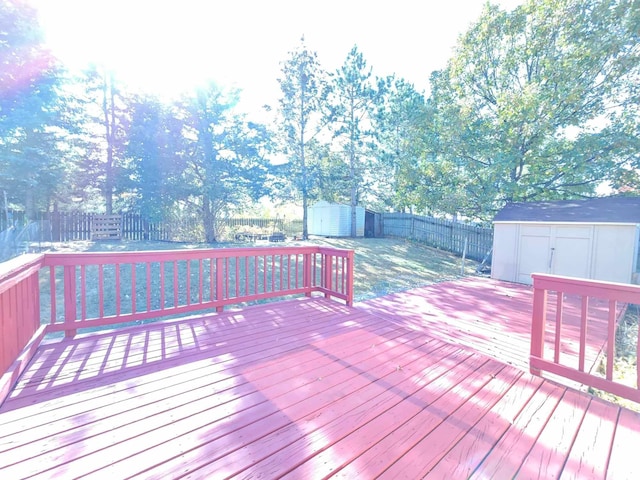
(334,220)
(595,238)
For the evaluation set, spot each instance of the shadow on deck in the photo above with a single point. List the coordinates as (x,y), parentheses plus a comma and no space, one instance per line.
(401,386)
(489,316)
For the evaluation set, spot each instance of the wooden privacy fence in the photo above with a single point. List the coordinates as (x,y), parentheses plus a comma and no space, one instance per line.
(71,291)
(555,299)
(440,233)
(72,226)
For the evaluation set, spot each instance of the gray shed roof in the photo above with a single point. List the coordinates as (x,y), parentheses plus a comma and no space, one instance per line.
(596,210)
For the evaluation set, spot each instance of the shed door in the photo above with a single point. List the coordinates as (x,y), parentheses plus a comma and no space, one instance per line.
(572,255)
(534,252)
(560,250)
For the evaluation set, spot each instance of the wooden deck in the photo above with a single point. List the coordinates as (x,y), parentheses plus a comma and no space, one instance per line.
(311,388)
(490,316)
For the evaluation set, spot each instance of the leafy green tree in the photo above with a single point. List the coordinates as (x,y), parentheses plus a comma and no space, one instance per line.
(114,120)
(99,116)
(354,93)
(400,123)
(30,167)
(328,175)
(110,124)
(154,173)
(304,90)
(536,106)
(225,156)
(83,145)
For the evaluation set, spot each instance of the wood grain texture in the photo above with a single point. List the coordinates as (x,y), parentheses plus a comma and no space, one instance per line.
(306,388)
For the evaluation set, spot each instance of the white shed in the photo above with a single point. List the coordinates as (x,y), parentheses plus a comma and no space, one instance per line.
(334,220)
(595,238)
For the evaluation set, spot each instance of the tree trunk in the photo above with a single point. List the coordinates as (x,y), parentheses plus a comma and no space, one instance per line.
(29,207)
(208,220)
(303,164)
(354,217)
(107,93)
(354,189)
(305,216)
(305,193)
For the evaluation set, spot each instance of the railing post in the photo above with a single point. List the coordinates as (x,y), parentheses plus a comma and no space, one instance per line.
(306,273)
(538,322)
(219,283)
(69,299)
(350,270)
(327,259)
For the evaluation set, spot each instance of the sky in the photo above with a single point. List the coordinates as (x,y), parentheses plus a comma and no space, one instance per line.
(169,46)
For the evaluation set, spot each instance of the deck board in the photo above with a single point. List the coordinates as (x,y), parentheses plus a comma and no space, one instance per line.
(547,456)
(590,453)
(523,433)
(625,447)
(339,393)
(471,450)
(359,421)
(307,388)
(491,317)
(435,412)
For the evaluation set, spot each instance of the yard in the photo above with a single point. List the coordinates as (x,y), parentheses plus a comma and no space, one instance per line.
(382,265)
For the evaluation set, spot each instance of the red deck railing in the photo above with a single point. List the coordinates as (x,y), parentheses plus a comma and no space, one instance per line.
(71,291)
(20,329)
(582,299)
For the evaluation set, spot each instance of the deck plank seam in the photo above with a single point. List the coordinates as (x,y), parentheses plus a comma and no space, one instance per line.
(189,379)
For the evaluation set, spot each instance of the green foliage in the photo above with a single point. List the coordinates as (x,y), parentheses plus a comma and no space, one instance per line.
(400,123)
(304,90)
(30,170)
(354,96)
(225,156)
(533,106)
(329,175)
(155,140)
(102,115)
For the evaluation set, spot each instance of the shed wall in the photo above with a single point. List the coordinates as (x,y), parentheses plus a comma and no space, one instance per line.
(334,220)
(611,244)
(598,251)
(504,261)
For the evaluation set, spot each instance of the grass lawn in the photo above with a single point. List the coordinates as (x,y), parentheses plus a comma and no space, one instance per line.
(386,265)
(382,265)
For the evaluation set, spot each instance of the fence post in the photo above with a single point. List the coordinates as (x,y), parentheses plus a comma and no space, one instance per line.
(464,255)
